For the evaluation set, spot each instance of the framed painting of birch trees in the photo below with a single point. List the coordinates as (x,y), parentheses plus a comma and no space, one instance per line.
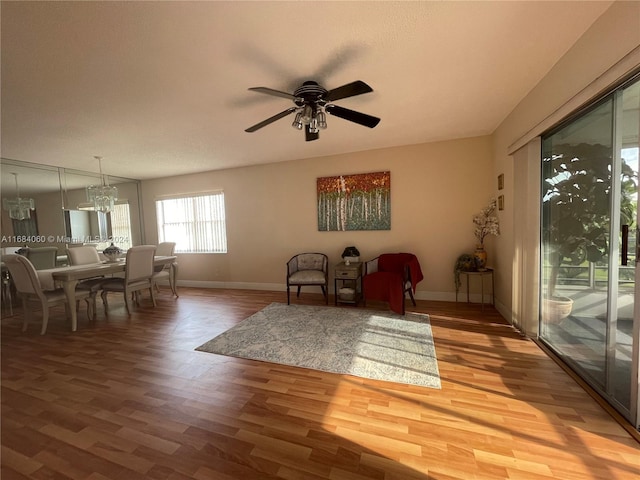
(355,202)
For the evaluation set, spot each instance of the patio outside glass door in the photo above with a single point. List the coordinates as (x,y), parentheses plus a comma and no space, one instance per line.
(589,235)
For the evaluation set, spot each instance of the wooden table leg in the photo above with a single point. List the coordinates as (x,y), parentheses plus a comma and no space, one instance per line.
(69,288)
(173,278)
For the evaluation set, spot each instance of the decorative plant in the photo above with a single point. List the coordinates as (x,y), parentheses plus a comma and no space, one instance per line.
(464,263)
(486,223)
(576,199)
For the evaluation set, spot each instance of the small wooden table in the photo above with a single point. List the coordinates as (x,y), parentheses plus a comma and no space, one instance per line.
(481,274)
(351,276)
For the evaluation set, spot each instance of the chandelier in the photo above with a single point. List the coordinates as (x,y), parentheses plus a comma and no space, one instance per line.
(102,196)
(19,208)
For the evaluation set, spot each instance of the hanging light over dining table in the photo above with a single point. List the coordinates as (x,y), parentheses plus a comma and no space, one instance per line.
(102,196)
(19,208)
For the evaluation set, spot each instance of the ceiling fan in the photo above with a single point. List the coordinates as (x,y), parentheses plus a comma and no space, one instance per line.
(312,101)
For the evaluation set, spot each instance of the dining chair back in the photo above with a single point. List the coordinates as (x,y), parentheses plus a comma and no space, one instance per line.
(166,271)
(137,275)
(23,274)
(139,266)
(28,286)
(164,249)
(84,255)
(42,258)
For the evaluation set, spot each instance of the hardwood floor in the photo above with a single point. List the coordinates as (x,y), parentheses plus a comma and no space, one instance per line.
(129,398)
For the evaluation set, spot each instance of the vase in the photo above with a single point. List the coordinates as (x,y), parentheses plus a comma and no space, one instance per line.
(481,257)
(556,309)
(112,252)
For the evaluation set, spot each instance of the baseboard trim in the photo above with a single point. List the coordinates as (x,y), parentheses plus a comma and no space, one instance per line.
(275,287)
(280,287)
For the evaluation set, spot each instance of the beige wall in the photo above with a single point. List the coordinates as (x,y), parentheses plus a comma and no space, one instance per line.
(271,213)
(49,219)
(610,39)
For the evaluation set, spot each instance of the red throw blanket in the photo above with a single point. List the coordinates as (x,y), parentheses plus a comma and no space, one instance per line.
(387,284)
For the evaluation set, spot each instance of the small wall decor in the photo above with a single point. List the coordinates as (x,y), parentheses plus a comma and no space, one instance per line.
(501,202)
(501,181)
(354,202)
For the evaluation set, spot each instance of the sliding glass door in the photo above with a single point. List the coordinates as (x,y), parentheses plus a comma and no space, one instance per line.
(589,235)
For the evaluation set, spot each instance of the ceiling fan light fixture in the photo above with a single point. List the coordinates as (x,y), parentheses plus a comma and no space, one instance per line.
(297,122)
(313,125)
(322,120)
(307,114)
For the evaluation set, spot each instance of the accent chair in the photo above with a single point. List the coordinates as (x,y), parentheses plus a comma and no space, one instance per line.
(389,277)
(308,269)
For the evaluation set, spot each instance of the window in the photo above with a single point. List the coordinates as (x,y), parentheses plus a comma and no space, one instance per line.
(588,254)
(196,223)
(121,225)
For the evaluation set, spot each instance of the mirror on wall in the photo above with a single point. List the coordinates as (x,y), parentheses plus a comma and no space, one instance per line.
(62,211)
(87,226)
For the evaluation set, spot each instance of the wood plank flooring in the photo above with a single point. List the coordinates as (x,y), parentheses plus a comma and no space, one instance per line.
(129,398)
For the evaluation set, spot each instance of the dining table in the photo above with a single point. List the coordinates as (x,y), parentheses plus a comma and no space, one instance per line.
(68,277)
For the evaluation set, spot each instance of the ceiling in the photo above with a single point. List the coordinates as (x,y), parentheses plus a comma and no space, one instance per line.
(160,88)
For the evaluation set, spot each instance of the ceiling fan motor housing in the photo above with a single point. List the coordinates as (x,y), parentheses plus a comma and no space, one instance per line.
(309,93)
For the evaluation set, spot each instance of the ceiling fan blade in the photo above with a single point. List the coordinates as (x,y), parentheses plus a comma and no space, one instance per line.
(352,116)
(266,122)
(308,136)
(349,90)
(271,91)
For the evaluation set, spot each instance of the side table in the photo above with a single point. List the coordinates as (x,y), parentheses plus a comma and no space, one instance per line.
(350,277)
(484,273)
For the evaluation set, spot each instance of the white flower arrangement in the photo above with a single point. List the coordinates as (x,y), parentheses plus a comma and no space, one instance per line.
(486,223)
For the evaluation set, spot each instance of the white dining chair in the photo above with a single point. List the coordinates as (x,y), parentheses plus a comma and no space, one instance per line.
(86,255)
(164,272)
(42,258)
(27,283)
(137,276)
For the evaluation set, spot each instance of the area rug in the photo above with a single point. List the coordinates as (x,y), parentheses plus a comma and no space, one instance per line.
(364,343)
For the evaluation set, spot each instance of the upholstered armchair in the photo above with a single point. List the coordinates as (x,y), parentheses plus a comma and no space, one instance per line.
(390,277)
(306,269)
